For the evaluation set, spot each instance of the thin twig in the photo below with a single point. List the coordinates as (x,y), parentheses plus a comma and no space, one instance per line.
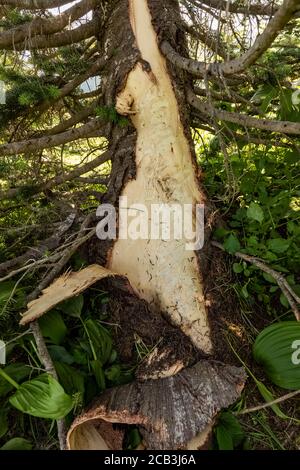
(286,289)
(268,404)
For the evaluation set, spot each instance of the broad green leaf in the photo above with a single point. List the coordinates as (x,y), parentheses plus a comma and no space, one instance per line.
(17,372)
(255,212)
(60,354)
(17,443)
(231,244)
(288,111)
(278,245)
(71,379)
(277,350)
(53,327)
(284,301)
(42,397)
(100,340)
(224,438)
(10,295)
(231,424)
(73,306)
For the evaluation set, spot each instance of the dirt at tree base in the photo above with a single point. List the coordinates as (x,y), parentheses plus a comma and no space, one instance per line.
(136,320)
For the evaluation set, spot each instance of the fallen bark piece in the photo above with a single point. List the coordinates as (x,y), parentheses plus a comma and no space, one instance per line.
(67,286)
(171,413)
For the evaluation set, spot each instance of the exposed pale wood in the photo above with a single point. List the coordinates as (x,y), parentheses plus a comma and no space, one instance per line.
(65,287)
(163,271)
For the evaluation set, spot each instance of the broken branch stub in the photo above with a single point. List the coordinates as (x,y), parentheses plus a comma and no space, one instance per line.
(171,413)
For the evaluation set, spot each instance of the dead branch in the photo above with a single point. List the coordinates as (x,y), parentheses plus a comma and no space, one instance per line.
(240,64)
(91,129)
(45,26)
(62,38)
(35,4)
(64,258)
(206,37)
(245,7)
(282,127)
(58,180)
(38,252)
(75,119)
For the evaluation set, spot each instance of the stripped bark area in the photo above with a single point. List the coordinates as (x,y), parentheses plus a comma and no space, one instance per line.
(171,413)
(164,272)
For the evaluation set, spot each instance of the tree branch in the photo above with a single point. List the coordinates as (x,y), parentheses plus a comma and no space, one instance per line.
(91,129)
(283,127)
(63,38)
(207,38)
(236,66)
(245,7)
(75,119)
(58,180)
(45,26)
(38,252)
(35,4)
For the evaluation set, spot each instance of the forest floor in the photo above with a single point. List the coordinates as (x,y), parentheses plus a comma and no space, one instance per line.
(83,338)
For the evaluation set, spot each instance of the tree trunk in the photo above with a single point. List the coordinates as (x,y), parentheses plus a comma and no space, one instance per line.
(154,163)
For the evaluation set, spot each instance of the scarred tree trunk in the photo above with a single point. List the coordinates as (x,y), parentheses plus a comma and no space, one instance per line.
(154,163)
(158,165)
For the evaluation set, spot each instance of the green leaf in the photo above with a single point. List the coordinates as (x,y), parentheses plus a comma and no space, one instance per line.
(3,422)
(42,397)
(238,268)
(17,372)
(284,301)
(269,278)
(224,439)
(134,438)
(255,212)
(53,327)
(265,94)
(113,373)
(60,354)
(231,244)
(245,292)
(269,397)
(100,340)
(73,306)
(277,349)
(71,379)
(99,374)
(17,443)
(278,245)
(229,423)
